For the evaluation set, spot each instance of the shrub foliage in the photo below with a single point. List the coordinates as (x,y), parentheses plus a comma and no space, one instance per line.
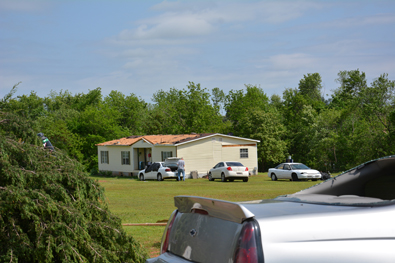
(50,210)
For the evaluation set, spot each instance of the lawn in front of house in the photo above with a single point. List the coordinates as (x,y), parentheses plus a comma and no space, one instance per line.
(152,201)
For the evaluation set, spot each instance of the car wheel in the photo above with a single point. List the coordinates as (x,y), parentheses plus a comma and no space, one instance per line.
(160,177)
(245,180)
(295,177)
(274,177)
(210,177)
(141,177)
(223,179)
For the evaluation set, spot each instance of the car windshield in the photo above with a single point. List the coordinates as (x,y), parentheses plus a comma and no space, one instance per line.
(233,164)
(299,166)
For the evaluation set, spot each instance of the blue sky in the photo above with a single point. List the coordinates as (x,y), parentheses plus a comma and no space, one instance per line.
(142,47)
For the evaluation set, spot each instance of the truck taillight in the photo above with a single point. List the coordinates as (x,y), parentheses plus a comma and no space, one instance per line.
(249,247)
(166,234)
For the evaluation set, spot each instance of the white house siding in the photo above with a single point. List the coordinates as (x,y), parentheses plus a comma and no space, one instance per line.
(232,153)
(198,155)
(157,152)
(202,155)
(142,144)
(115,159)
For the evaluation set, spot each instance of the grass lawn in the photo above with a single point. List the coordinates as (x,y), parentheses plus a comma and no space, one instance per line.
(151,201)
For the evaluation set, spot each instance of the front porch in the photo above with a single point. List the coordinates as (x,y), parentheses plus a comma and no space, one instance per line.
(142,158)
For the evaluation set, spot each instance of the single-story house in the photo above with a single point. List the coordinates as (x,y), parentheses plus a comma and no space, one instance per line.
(127,156)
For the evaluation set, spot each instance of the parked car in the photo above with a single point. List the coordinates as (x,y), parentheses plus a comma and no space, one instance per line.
(228,171)
(348,218)
(294,172)
(161,170)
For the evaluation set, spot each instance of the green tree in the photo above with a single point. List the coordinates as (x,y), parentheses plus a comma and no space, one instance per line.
(310,86)
(30,107)
(252,117)
(218,99)
(276,101)
(294,105)
(266,127)
(364,125)
(76,123)
(81,101)
(378,102)
(55,126)
(51,211)
(4,101)
(351,84)
(132,111)
(185,111)
(323,143)
(239,104)
(301,107)
(96,124)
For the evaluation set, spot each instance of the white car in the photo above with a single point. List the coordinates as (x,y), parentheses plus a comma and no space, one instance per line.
(294,172)
(229,170)
(161,170)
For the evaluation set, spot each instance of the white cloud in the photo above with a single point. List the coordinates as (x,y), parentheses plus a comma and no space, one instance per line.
(172,27)
(291,61)
(155,58)
(230,11)
(347,47)
(185,22)
(359,21)
(283,11)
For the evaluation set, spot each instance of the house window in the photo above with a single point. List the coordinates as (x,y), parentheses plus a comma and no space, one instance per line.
(243,153)
(125,157)
(104,156)
(165,155)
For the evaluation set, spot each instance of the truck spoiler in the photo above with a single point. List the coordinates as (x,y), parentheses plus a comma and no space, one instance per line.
(225,210)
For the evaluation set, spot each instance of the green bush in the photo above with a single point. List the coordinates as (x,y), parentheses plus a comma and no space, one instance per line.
(50,210)
(106,173)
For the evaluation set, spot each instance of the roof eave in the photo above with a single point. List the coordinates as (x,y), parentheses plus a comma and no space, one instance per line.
(216,134)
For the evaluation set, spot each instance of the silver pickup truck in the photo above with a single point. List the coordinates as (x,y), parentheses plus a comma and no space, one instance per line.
(348,218)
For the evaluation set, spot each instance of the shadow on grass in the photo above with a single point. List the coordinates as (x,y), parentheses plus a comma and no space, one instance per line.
(116,177)
(156,244)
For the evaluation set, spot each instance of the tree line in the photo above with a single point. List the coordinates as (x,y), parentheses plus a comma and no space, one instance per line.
(356,124)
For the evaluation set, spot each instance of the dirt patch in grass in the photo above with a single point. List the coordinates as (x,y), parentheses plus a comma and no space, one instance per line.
(154,250)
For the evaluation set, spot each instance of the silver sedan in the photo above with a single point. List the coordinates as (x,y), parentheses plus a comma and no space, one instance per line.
(348,218)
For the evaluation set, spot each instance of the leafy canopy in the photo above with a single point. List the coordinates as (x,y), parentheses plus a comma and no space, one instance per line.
(50,210)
